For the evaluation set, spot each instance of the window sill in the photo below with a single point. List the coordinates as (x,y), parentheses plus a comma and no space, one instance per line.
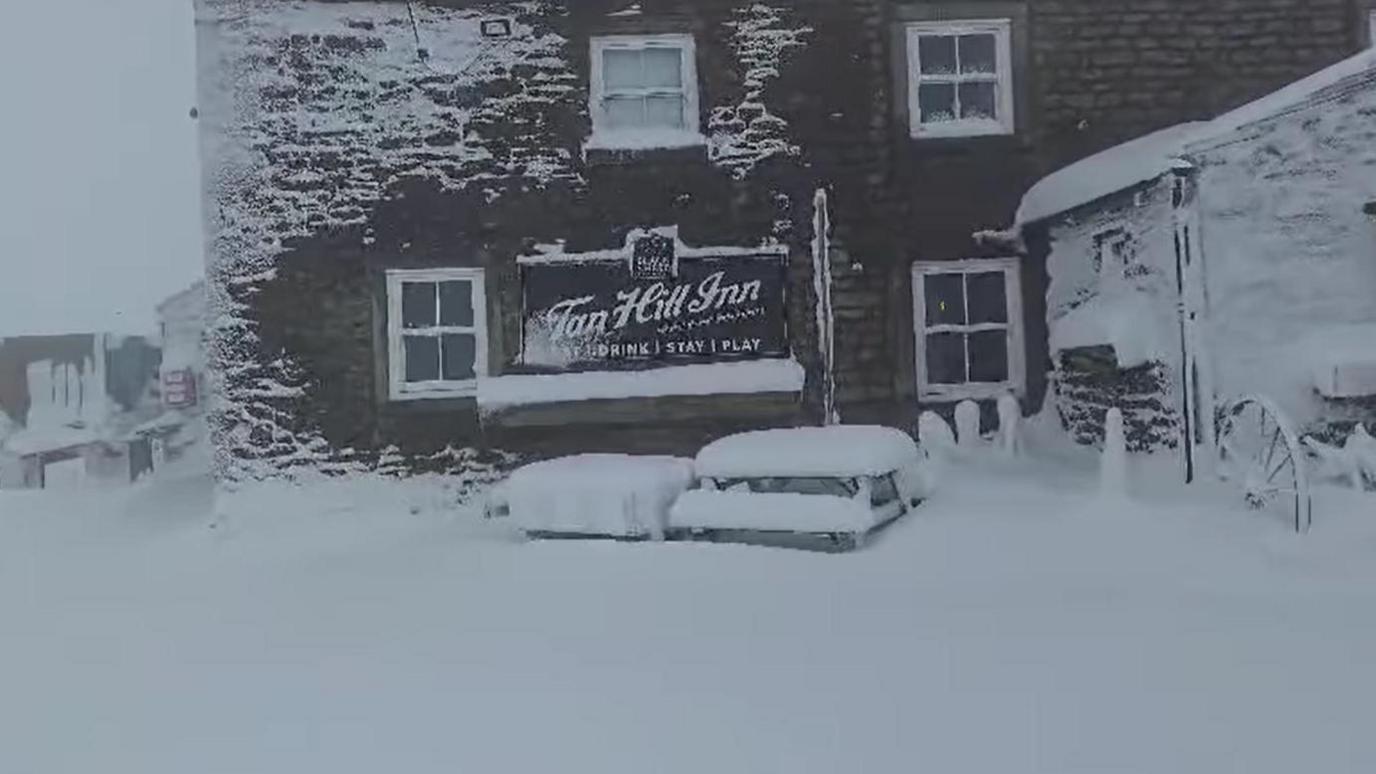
(650,140)
(685,148)
(445,392)
(964,131)
(947,393)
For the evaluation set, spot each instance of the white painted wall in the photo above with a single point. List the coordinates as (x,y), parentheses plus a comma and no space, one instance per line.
(1290,257)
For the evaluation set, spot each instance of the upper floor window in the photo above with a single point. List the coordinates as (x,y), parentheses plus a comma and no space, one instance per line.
(960,78)
(644,92)
(436,332)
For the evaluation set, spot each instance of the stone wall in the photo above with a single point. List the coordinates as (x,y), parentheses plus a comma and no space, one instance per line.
(342,140)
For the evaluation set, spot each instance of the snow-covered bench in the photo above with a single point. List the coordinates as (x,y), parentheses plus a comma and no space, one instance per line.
(795,486)
(595,495)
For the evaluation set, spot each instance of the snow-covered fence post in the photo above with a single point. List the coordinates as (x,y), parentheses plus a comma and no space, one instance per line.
(826,322)
(1010,415)
(967,424)
(1113,466)
(936,435)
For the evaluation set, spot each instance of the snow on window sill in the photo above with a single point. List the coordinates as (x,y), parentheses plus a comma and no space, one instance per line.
(955,392)
(434,391)
(958,129)
(731,378)
(647,140)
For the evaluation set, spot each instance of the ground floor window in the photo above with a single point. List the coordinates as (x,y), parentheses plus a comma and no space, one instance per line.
(436,332)
(967,317)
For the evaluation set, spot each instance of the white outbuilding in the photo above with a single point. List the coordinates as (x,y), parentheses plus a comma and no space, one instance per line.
(1218,259)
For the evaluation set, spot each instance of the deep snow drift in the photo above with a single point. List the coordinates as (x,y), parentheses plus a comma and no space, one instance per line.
(1014,623)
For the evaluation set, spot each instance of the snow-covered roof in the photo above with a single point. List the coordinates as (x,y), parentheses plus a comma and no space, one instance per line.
(1352,73)
(1150,156)
(42,440)
(1109,171)
(839,451)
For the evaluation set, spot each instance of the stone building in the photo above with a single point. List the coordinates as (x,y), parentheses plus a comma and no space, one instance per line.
(545,225)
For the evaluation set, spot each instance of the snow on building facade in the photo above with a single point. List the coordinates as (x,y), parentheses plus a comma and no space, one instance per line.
(66,404)
(1219,259)
(581,226)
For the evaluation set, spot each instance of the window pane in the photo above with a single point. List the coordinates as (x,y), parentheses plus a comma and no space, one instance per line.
(977,54)
(422,358)
(936,54)
(977,100)
(456,303)
(664,112)
(936,102)
(460,356)
(625,112)
(621,68)
(945,297)
(989,356)
(946,358)
(663,68)
(988,302)
(417,304)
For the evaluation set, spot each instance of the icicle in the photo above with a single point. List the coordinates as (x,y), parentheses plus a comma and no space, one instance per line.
(967,424)
(1113,468)
(1010,416)
(826,323)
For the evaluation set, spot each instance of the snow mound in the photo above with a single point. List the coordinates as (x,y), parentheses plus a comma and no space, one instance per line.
(1123,321)
(770,512)
(838,451)
(597,494)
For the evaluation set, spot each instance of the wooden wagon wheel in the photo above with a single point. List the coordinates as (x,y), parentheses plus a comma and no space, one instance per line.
(1259,451)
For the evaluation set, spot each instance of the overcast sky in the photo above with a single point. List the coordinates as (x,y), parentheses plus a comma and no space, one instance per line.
(100,202)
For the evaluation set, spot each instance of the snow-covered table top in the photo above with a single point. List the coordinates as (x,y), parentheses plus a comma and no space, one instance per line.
(839,451)
(1343,360)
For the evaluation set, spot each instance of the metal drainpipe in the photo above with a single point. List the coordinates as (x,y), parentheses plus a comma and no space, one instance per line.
(1182,260)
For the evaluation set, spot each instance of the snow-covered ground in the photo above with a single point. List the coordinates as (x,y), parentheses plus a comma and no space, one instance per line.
(1017,623)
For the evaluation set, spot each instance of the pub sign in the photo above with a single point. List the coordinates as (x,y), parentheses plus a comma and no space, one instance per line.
(653,307)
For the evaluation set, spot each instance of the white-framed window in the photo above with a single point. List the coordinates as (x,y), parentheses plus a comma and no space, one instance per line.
(960,78)
(436,332)
(967,317)
(644,92)
(1113,256)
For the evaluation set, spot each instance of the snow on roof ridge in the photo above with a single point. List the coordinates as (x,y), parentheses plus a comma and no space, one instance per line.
(1295,95)
(1108,171)
(1148,157)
